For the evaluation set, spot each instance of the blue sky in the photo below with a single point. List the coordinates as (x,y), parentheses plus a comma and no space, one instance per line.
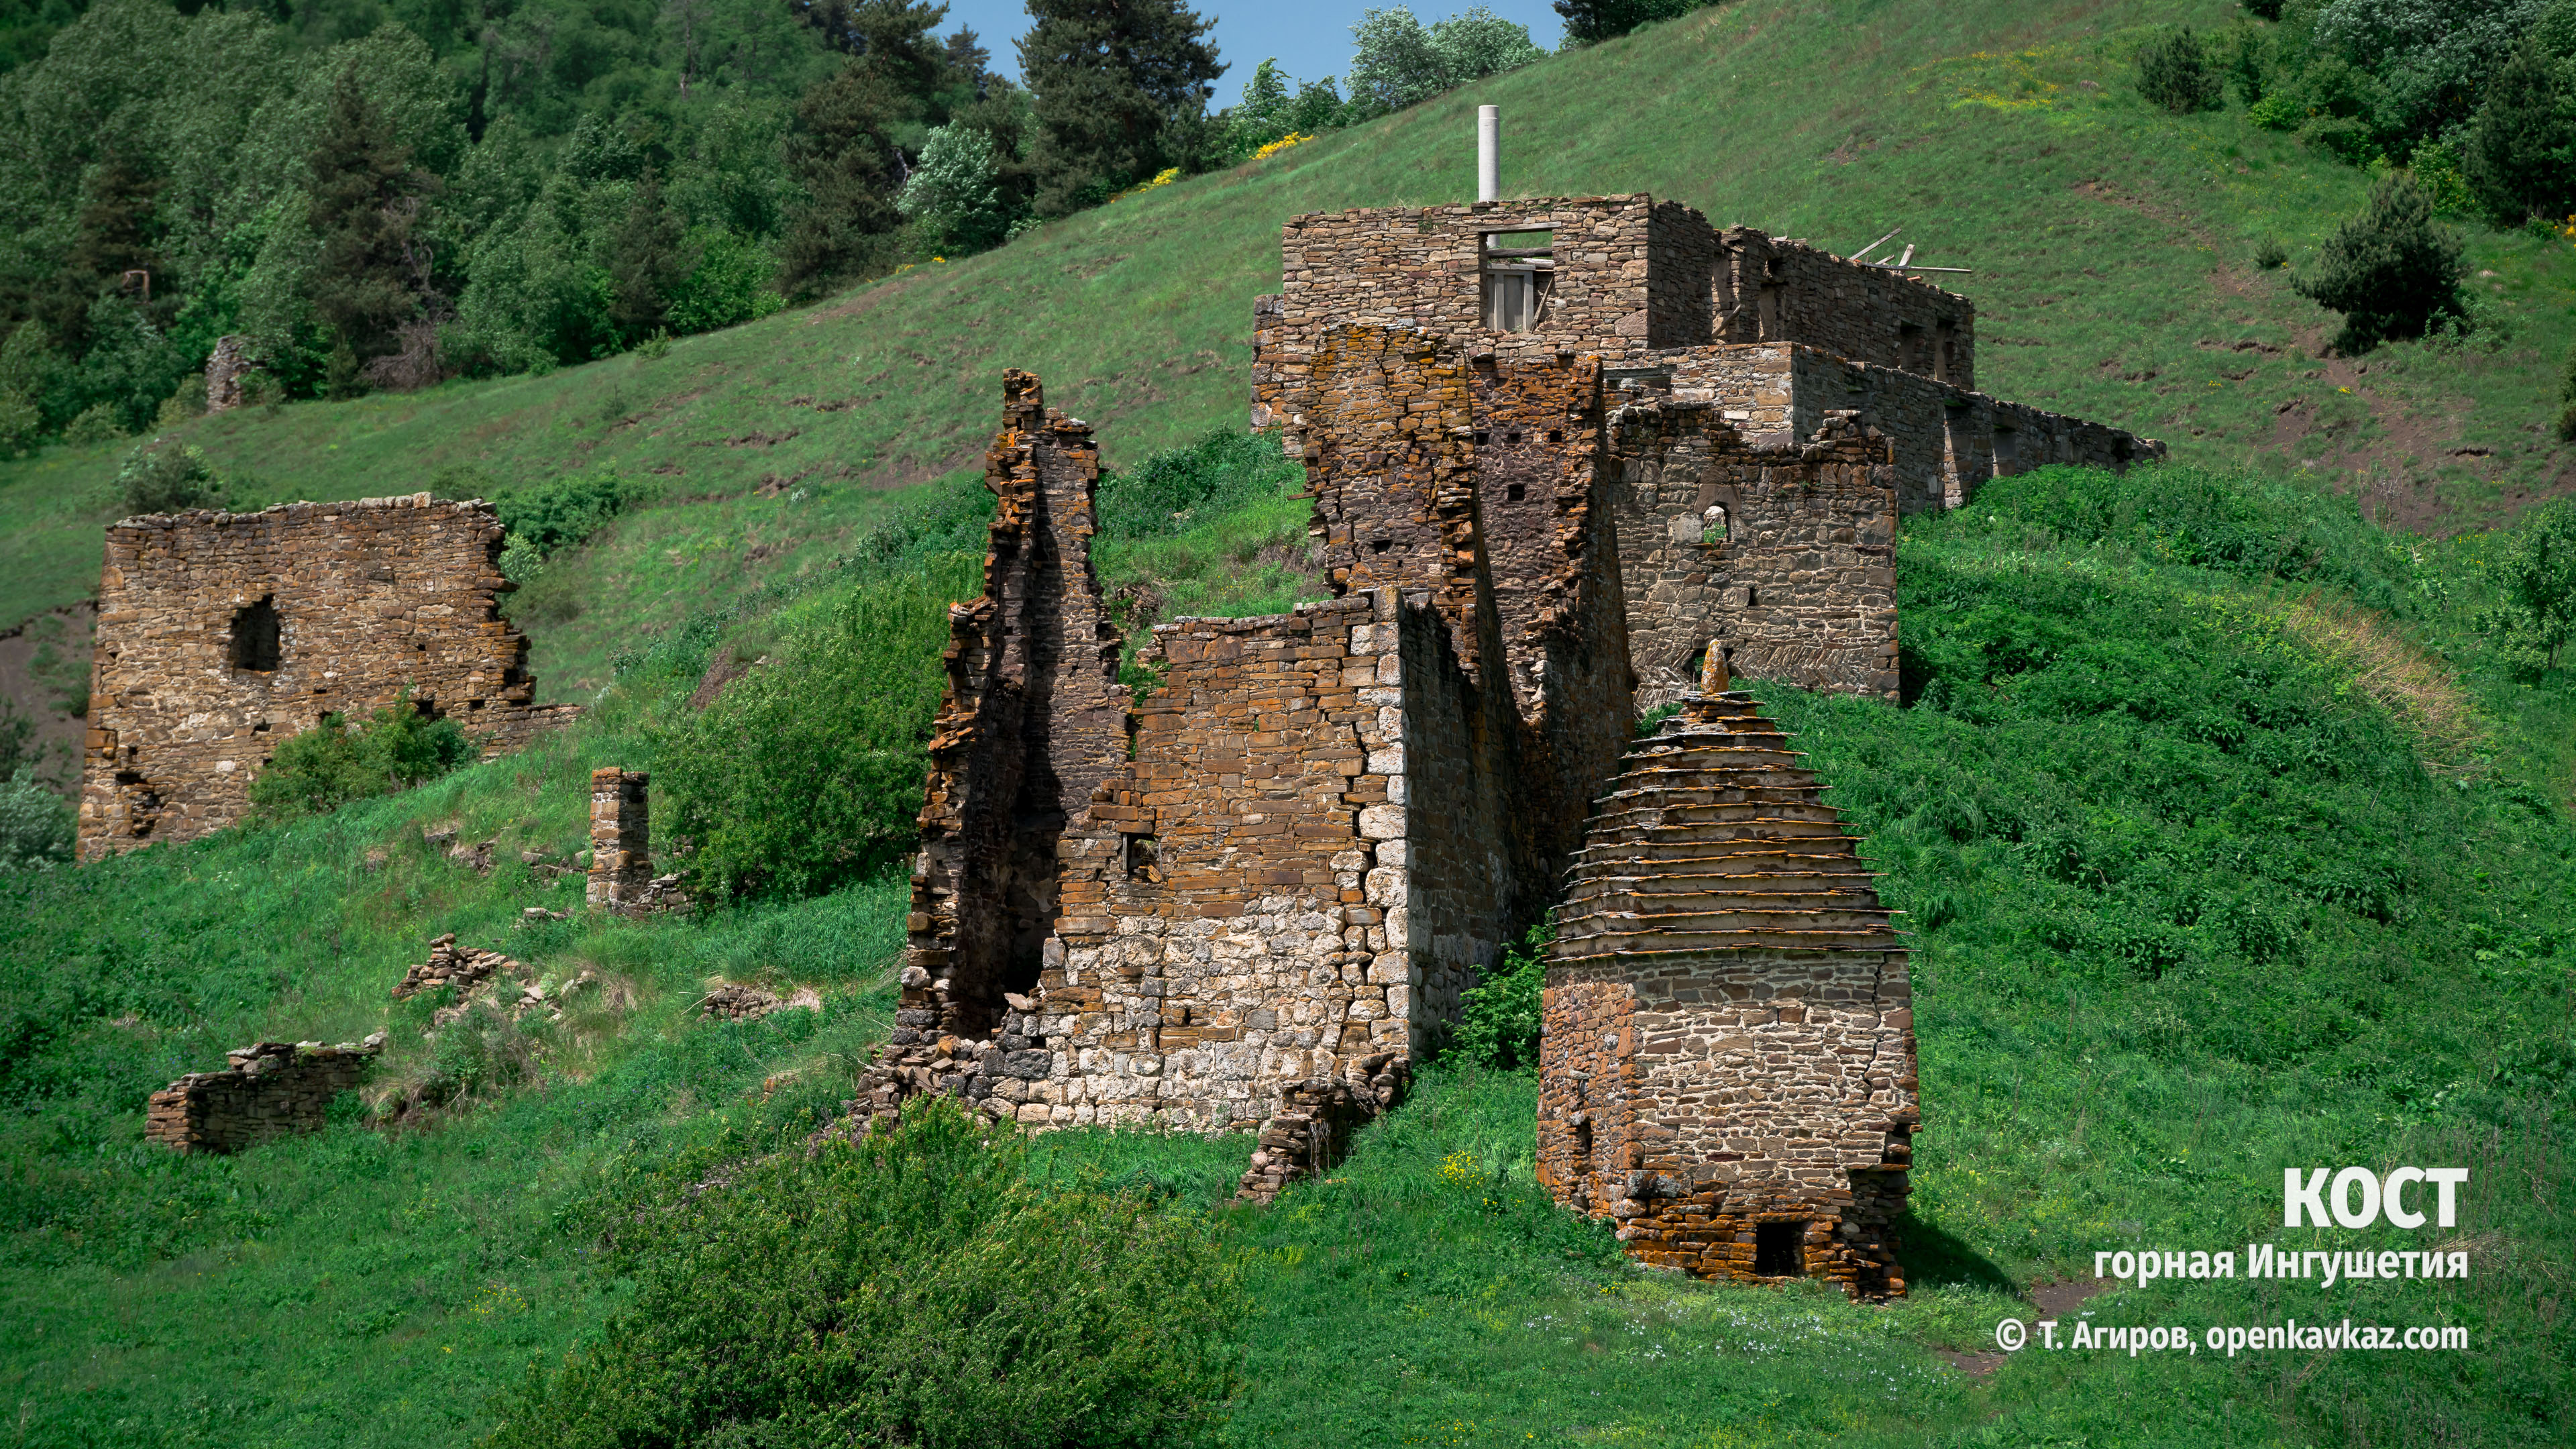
(1310,40)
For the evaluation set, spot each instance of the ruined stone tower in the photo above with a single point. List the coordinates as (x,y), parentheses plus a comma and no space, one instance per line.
(1568,458)
(221,635)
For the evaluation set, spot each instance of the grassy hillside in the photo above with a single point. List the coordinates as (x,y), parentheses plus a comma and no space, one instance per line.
(2201,842)
(2112,246)
(2227,842)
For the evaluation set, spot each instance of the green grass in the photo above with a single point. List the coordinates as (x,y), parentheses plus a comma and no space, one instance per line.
(2111,243)
(2192,902)
(2225,845)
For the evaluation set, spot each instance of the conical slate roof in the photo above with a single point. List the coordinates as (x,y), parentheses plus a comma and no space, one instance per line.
(1716,838)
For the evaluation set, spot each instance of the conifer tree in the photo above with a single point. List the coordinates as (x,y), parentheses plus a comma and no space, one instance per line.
(842,149)
(371,273)
(1121,87)
(649,256)
(2521,152)
(2389,270)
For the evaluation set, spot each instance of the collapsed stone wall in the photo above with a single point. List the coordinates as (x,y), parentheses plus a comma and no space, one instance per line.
(266,1091)
(221,635)
(1948,439)
(1774,289)
(1625,276)
(1781,557)
(1314,829)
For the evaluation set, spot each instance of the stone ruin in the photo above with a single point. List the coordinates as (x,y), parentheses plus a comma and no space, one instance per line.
(265,1091)
(1571,459)
(222,634)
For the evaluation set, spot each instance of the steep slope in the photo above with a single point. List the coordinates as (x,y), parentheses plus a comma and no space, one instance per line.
(2111,248)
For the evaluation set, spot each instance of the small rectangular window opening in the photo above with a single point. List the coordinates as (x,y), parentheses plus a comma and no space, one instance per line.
(1778,1250)
(1517,269)
(1141,858)
(253,644)
(1516,492)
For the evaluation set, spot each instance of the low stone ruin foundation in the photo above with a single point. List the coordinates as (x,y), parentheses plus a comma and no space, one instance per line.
(265,1092)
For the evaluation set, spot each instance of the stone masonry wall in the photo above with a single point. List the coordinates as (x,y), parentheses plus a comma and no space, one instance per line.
(1630,275)
(1773,289)
(1728,1066)
(264,1092)
(221,635)
(621,837)
(1801,584)
(1032,721)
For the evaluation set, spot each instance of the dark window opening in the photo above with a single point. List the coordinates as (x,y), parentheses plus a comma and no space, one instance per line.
(1516,492)
(1380,545)
(1778,1250)
(1513,438)
(1583,1141)
(1480,440)
(1556,435)
(1141,856)
(254,637)
(1909,348)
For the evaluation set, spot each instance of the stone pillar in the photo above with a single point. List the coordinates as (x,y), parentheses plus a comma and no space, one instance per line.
(621,856)
(224,369)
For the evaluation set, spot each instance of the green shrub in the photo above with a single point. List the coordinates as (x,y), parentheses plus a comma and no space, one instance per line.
(36,825)
(912,1288)
(2278,111)
(2390,270)
(2536,618)
(1499,1017)
(168,478)
(2175,74)
(806,774)
(97,423)
(551,517)
(341,760)
(1172,490)
(20,424)
(2269,254)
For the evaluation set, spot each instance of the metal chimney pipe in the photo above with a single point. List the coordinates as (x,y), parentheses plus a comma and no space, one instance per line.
(1489,139)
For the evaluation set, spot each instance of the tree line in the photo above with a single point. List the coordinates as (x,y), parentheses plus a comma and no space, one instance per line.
(383,196)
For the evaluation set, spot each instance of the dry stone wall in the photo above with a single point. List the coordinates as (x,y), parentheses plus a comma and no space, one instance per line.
(1781,558)
(1774,289)
(621,839)
(265,1092)
(221,635)
(1316,828)
(1728,1067)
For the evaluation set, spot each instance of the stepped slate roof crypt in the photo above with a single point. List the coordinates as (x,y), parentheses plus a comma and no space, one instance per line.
(1571,459)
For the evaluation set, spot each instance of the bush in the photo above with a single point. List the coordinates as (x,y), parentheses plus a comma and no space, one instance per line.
(2389,270)
(2277,112)
(909,1288)
(2270,255)
(96,424)
(1499,1018)
(339,760)
(2175,73)
(168,478)
(36,825)
(2537,615)
(806,774)
(552,517)
(1172,491)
